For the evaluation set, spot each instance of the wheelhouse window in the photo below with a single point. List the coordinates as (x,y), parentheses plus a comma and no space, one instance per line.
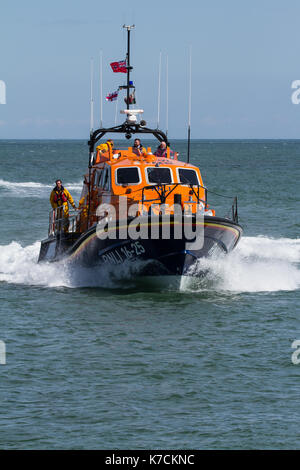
(105,179)
(129,175)
(186,176)
(159,175)
(97,178)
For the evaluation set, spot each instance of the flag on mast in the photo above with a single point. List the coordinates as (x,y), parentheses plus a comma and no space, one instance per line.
(119,66)
(112,96)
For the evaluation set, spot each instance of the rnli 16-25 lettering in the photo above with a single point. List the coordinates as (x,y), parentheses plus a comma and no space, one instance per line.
(119,255)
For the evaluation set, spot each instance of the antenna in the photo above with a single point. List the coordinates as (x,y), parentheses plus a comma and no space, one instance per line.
(116,110)
(167,96)
(190,106)
(129,68)
(92,99)
(91,159)
(101,89)
(158,99)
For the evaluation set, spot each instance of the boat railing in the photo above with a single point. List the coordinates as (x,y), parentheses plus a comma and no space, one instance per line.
(77,220)
(163,190)
(60,222)
(232,212)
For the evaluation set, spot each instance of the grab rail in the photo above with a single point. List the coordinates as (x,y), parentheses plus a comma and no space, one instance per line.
(73,222)
(59,223)
(163,193)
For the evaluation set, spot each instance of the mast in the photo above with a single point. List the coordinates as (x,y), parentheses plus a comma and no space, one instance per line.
(101,88)
(158,97)
(130,126)
(167,96)
(92,98)
(190,107)
(129,68)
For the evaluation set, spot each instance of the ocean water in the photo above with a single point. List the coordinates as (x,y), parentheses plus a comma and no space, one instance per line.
(94,361)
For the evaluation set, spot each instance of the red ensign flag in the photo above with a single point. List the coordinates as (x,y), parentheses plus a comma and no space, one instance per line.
(119,66)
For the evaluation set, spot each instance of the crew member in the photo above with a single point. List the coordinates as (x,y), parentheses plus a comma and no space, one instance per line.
(161,150)
(103,149)
(138,149)
(60,197)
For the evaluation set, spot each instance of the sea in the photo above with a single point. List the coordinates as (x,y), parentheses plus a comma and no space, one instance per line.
(91,360)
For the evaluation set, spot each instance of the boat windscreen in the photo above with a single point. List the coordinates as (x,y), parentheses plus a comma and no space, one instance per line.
(159,175)
(188,176)
(128,175)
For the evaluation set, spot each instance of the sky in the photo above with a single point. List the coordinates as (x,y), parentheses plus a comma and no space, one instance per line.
(245,56)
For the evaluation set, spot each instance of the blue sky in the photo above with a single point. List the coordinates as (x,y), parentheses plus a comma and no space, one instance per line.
(245,56)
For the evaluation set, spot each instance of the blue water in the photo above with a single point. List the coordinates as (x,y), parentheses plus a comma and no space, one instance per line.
(94,361)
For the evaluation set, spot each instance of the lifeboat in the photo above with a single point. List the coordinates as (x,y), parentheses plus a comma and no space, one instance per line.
(140,208)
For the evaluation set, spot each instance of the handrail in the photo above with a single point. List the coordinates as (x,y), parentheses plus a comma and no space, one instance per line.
(162,196)
(58,223)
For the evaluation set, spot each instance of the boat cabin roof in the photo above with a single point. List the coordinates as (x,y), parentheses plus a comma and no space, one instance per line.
(126,157)
(128,169)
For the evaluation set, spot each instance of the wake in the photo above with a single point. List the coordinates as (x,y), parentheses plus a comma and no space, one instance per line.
(18,265)
(32,189)
(258,264)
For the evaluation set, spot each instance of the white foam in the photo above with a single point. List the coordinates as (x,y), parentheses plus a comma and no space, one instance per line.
(73,186)
(258,264)
(18,265)
(285,249)
(33,189)
(26,184)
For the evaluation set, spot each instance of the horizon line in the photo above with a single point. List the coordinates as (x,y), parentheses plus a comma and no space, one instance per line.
(175,139)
